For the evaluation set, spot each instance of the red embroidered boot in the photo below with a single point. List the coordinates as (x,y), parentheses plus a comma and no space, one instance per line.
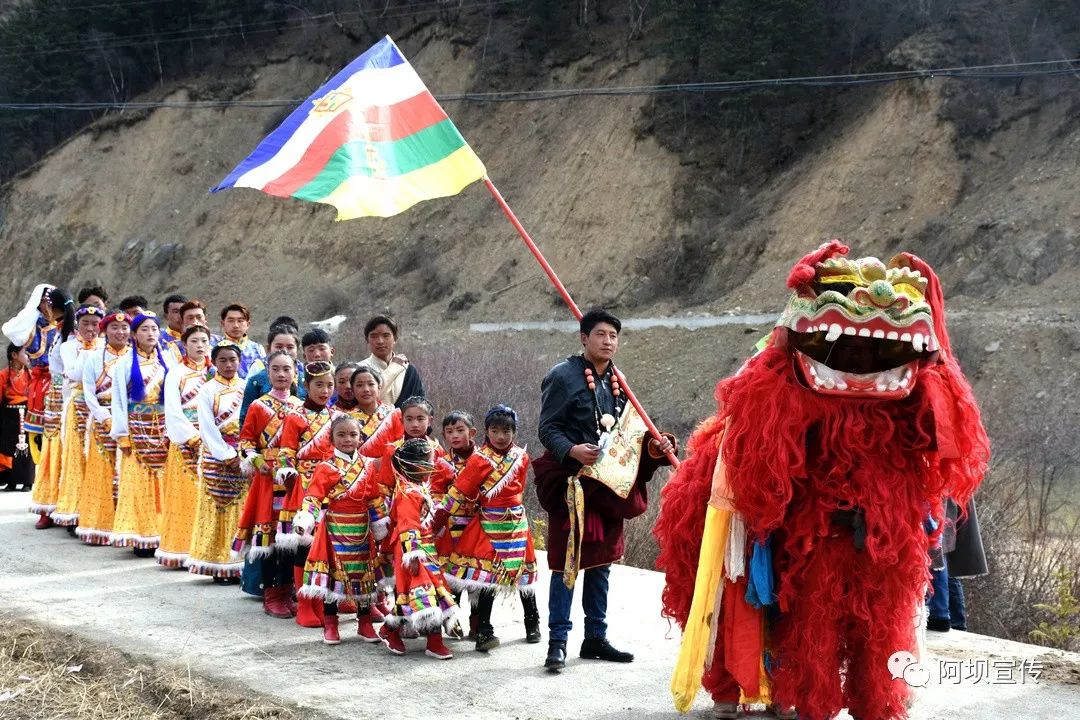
(309,612)
(44,522)
(364,628)
(274,603)
(392,640)
(330,634)
(436,648)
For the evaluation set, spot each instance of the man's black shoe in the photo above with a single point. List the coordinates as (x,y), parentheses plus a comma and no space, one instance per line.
(938,624)
(601,649)
(556,657)
(532,631)
(486,640)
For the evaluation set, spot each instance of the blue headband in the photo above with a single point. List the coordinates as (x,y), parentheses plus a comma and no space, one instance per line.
(501,410)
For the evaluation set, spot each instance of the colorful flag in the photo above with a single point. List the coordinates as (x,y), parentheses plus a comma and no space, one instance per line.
(371,142)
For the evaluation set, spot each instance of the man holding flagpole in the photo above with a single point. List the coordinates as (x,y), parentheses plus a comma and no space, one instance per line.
(590,482)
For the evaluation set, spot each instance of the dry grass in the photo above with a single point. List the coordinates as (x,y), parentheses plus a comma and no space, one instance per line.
(1031,532)
(47,674)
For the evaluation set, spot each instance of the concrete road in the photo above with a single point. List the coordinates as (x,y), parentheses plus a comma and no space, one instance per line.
(109,596)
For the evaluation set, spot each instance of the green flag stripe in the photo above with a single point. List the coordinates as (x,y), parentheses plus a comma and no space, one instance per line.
(391,158)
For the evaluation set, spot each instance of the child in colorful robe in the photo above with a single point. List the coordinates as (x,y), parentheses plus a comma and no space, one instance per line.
(459,432)
(179,483)
(221,484)
(73,354)
(50,466)
(260,445)
(96,503)
(339,563)
(138,427)
(423,602)
(495,552)
(16,467)
(416,416)
(305,442)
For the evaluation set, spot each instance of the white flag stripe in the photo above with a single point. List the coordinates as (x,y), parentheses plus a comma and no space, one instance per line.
(368,88)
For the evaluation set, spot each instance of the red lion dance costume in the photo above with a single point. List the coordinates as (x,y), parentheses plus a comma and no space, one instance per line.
(831,447)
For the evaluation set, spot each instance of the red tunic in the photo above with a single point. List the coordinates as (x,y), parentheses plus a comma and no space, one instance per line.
(496,548)
(305,442)
(422,601)
(261,436)
(387,480)
(378,429)
(339,564)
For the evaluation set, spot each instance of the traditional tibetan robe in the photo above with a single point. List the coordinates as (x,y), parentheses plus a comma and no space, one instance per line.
(47,480)
(73,354)
(261,437)
(496,548)
(221,485)
(16,467)
(179,483)
(97,493)
(305,442)
(388,479)
(422,602)
(138,426)
(378,429)
(339,563)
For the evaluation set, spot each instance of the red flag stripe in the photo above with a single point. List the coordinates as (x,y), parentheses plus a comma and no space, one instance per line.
(377,124)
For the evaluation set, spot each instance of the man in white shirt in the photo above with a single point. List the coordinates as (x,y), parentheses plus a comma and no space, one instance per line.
(400,379)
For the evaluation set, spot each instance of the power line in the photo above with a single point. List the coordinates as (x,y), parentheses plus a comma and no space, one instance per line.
(236,29)
(1008,71)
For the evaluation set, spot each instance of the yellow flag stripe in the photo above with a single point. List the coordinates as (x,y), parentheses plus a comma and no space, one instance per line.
(364,196)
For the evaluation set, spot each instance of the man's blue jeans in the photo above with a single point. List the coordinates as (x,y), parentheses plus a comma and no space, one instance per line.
(594,590)
(947,600)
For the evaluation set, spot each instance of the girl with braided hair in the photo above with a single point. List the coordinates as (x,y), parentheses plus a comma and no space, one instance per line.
(138,427)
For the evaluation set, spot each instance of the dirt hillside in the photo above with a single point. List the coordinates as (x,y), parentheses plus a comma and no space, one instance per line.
(979,179)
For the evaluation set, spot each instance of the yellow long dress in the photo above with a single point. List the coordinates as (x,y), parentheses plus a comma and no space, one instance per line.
(179,483)
(221,486)
(139,431)
(96,502)
(75,446)
(47,477)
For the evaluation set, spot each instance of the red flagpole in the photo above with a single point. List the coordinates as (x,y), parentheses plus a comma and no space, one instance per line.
(572,305)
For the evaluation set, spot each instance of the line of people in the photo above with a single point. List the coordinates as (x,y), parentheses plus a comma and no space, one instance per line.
(318,487)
